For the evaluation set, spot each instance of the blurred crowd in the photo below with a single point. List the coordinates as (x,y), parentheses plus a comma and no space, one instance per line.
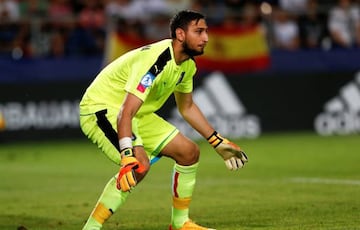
(61,28)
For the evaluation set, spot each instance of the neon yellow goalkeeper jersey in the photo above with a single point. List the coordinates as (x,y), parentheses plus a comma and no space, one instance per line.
(149,72)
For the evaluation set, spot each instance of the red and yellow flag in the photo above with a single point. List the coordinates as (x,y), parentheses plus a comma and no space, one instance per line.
(228,50)
(235,50)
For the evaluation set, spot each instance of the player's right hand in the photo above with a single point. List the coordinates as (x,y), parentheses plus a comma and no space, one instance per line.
(129,165)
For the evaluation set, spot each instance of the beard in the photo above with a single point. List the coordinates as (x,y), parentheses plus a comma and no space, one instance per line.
(191,52)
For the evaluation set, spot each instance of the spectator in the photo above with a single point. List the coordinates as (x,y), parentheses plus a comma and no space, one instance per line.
(178,5)
(61,23)
(60,11)
(88,36)
(125,9)
(57,45)
(231,20)
(33,8)
(250,16)
(92,16)
(123,17)
(33,18)
(9,25)
(344,25)
(214,10)
(294,7)
(312,27)
(154,7)
(9,11)
(285,31)
(158,27)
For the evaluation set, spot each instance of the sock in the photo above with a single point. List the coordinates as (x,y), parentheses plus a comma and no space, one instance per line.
(183,183)
(110,200)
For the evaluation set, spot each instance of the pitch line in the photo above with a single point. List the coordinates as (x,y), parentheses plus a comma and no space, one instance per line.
(324,181)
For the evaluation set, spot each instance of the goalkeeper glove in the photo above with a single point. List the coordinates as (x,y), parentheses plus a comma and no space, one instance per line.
(232,154)
(129,164)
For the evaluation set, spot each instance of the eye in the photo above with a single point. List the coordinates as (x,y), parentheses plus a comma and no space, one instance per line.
(201,30)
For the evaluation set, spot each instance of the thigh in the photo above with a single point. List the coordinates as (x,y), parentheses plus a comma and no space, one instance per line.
(155,133)
(183,150)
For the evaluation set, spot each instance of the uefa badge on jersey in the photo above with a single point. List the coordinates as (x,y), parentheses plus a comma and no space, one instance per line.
(146,81)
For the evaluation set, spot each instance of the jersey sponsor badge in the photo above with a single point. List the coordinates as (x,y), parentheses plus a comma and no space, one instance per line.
(146,81)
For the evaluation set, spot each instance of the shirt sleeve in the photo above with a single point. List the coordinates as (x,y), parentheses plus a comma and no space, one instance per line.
(186,84)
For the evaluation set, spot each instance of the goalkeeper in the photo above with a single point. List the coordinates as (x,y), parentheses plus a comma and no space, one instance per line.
(117,112)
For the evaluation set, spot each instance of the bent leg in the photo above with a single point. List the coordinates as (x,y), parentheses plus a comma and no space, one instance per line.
(112,198)
(99,128)
(186,155)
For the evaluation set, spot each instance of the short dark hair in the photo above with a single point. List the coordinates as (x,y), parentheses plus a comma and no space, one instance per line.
(182,20)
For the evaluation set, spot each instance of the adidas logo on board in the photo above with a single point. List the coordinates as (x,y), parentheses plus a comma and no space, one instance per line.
(341,114)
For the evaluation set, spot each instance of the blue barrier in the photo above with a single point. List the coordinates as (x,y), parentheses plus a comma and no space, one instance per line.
(49,70)
(85,68)
(315,60)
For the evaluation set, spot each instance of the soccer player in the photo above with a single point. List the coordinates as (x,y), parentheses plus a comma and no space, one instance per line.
(117,112)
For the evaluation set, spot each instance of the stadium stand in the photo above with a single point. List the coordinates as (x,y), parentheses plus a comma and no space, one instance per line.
(63,28)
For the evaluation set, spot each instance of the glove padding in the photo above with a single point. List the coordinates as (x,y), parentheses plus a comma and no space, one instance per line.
(126,178)
(232,154)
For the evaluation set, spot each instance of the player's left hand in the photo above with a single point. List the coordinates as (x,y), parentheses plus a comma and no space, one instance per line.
(232,154)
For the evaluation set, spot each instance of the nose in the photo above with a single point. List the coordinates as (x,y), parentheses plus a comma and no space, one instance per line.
(206,37)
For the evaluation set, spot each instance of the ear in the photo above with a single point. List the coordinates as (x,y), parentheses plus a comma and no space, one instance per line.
(180,34)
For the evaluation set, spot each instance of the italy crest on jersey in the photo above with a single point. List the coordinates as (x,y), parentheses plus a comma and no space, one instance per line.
(146,81)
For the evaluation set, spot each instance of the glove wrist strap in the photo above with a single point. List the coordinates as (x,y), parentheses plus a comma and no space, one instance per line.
(215,139)
(126,153)
(125,145)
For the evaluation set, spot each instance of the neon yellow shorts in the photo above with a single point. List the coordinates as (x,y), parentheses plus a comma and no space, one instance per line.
(150,131)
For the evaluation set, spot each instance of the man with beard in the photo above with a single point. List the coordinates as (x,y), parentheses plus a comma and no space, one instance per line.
(117,112)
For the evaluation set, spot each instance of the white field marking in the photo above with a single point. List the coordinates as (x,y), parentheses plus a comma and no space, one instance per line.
(324,181)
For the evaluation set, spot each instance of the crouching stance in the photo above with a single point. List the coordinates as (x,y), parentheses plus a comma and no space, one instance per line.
(117,113)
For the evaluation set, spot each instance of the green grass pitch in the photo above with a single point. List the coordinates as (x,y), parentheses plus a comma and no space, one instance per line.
(292,181)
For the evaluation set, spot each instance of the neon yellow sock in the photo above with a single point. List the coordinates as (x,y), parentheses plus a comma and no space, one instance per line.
(183,184)
(110,200)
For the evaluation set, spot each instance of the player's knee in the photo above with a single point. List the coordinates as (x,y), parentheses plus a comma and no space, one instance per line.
(146,165)
(191,154)
(145,169)
(141,156)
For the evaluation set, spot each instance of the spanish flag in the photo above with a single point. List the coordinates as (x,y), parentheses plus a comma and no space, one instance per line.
(235,50)
(228,50)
